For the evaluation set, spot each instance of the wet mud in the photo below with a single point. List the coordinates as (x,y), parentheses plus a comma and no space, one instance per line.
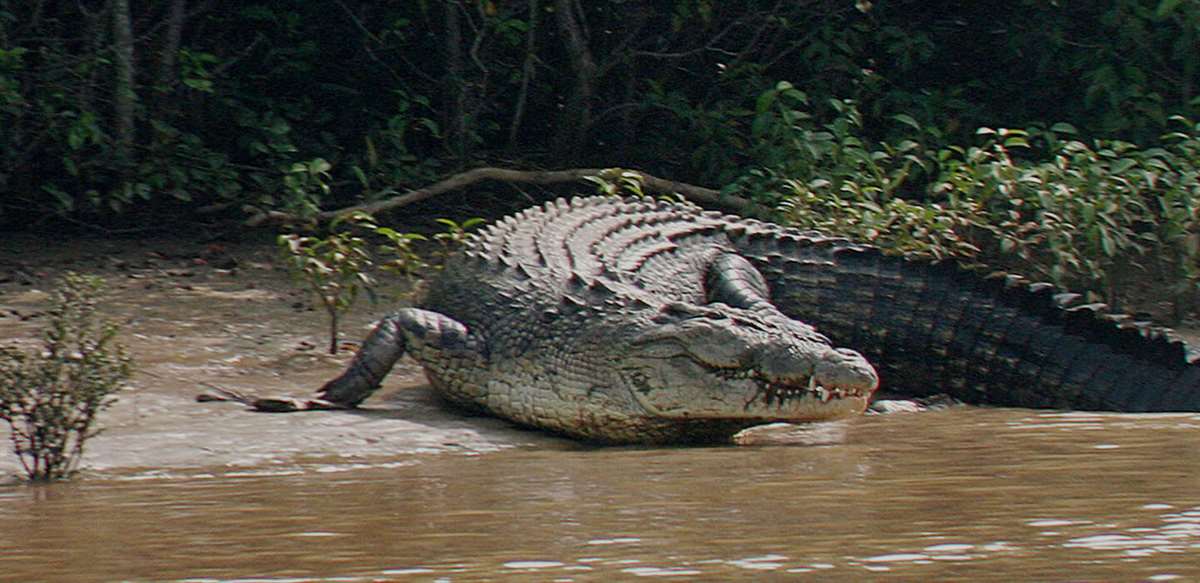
(195,316)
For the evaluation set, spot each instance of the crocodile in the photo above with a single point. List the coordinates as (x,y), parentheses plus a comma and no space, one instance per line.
(639,321)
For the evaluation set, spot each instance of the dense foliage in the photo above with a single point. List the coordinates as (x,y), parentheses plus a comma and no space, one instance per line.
(1087,214)
(858,116)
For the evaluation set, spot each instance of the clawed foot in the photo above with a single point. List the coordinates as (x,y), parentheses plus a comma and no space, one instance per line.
(341,393)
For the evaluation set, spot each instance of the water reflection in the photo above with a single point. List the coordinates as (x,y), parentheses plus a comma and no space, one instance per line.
(962,494)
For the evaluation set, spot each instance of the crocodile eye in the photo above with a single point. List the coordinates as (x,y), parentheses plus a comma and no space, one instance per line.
(677,311)
(640,380)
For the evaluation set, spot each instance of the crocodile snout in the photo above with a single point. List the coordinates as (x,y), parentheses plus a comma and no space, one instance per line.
(846,369)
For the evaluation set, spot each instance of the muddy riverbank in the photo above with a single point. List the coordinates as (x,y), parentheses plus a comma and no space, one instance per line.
(228,315)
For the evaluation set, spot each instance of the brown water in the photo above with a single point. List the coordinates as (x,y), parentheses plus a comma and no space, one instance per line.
(966,494)
(179,491)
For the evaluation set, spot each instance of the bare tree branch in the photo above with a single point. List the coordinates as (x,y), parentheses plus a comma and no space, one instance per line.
(650,183)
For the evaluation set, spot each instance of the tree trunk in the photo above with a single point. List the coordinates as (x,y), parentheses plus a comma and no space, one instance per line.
(125,97)
(333,331)
(96,33)
(170,44)
(577,112)
(455,120)
(527,71)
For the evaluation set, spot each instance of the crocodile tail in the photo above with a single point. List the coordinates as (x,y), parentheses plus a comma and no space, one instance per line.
(936,327)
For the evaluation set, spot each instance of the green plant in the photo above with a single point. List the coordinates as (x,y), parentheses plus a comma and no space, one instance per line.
(1088,215)
(455,233)
(337,267)
(306,184)
(936,230)
(1081,215)
(334,267)
(50,398)
(388,161)
(403,257)
(1173,174)
(826,150)
(618,182)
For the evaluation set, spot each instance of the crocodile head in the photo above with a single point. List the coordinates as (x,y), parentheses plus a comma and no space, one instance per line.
(724,364)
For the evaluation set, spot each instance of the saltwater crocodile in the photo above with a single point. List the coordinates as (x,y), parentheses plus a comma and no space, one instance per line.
(627,320)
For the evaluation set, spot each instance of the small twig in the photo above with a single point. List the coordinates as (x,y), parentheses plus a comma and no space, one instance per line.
(221,394)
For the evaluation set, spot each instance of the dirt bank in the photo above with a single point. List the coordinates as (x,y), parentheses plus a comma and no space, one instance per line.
(226,314)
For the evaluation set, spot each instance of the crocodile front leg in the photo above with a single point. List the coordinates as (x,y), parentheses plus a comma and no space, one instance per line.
(430,337)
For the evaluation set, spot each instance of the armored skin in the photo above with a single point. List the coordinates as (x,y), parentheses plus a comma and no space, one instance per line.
(635,321)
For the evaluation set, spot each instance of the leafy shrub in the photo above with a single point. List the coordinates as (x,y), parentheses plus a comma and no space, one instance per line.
(338,266)
(1088,214)
(334,267)
(1084,214)
(51,398)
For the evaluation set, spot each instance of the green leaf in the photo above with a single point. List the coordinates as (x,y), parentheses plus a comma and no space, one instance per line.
(907,120)
(1166,7)
(202,85)
(65,201)
(1107,243)
(430,125)
(279,127)
(318,165)
(796,95)
(1122,165)
(765,101)
(1063,128)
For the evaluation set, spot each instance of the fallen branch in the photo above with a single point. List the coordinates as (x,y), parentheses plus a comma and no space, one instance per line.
(698,194)
(217,394)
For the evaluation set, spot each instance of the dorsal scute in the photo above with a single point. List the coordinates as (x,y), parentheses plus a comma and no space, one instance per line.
(1093,321)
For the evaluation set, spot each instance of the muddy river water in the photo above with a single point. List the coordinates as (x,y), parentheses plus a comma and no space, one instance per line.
(407,489)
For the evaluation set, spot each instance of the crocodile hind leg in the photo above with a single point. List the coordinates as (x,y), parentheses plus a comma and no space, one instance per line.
(432,338)
(733,280)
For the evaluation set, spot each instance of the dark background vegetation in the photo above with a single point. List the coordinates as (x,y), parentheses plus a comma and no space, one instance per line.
(1057,138)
